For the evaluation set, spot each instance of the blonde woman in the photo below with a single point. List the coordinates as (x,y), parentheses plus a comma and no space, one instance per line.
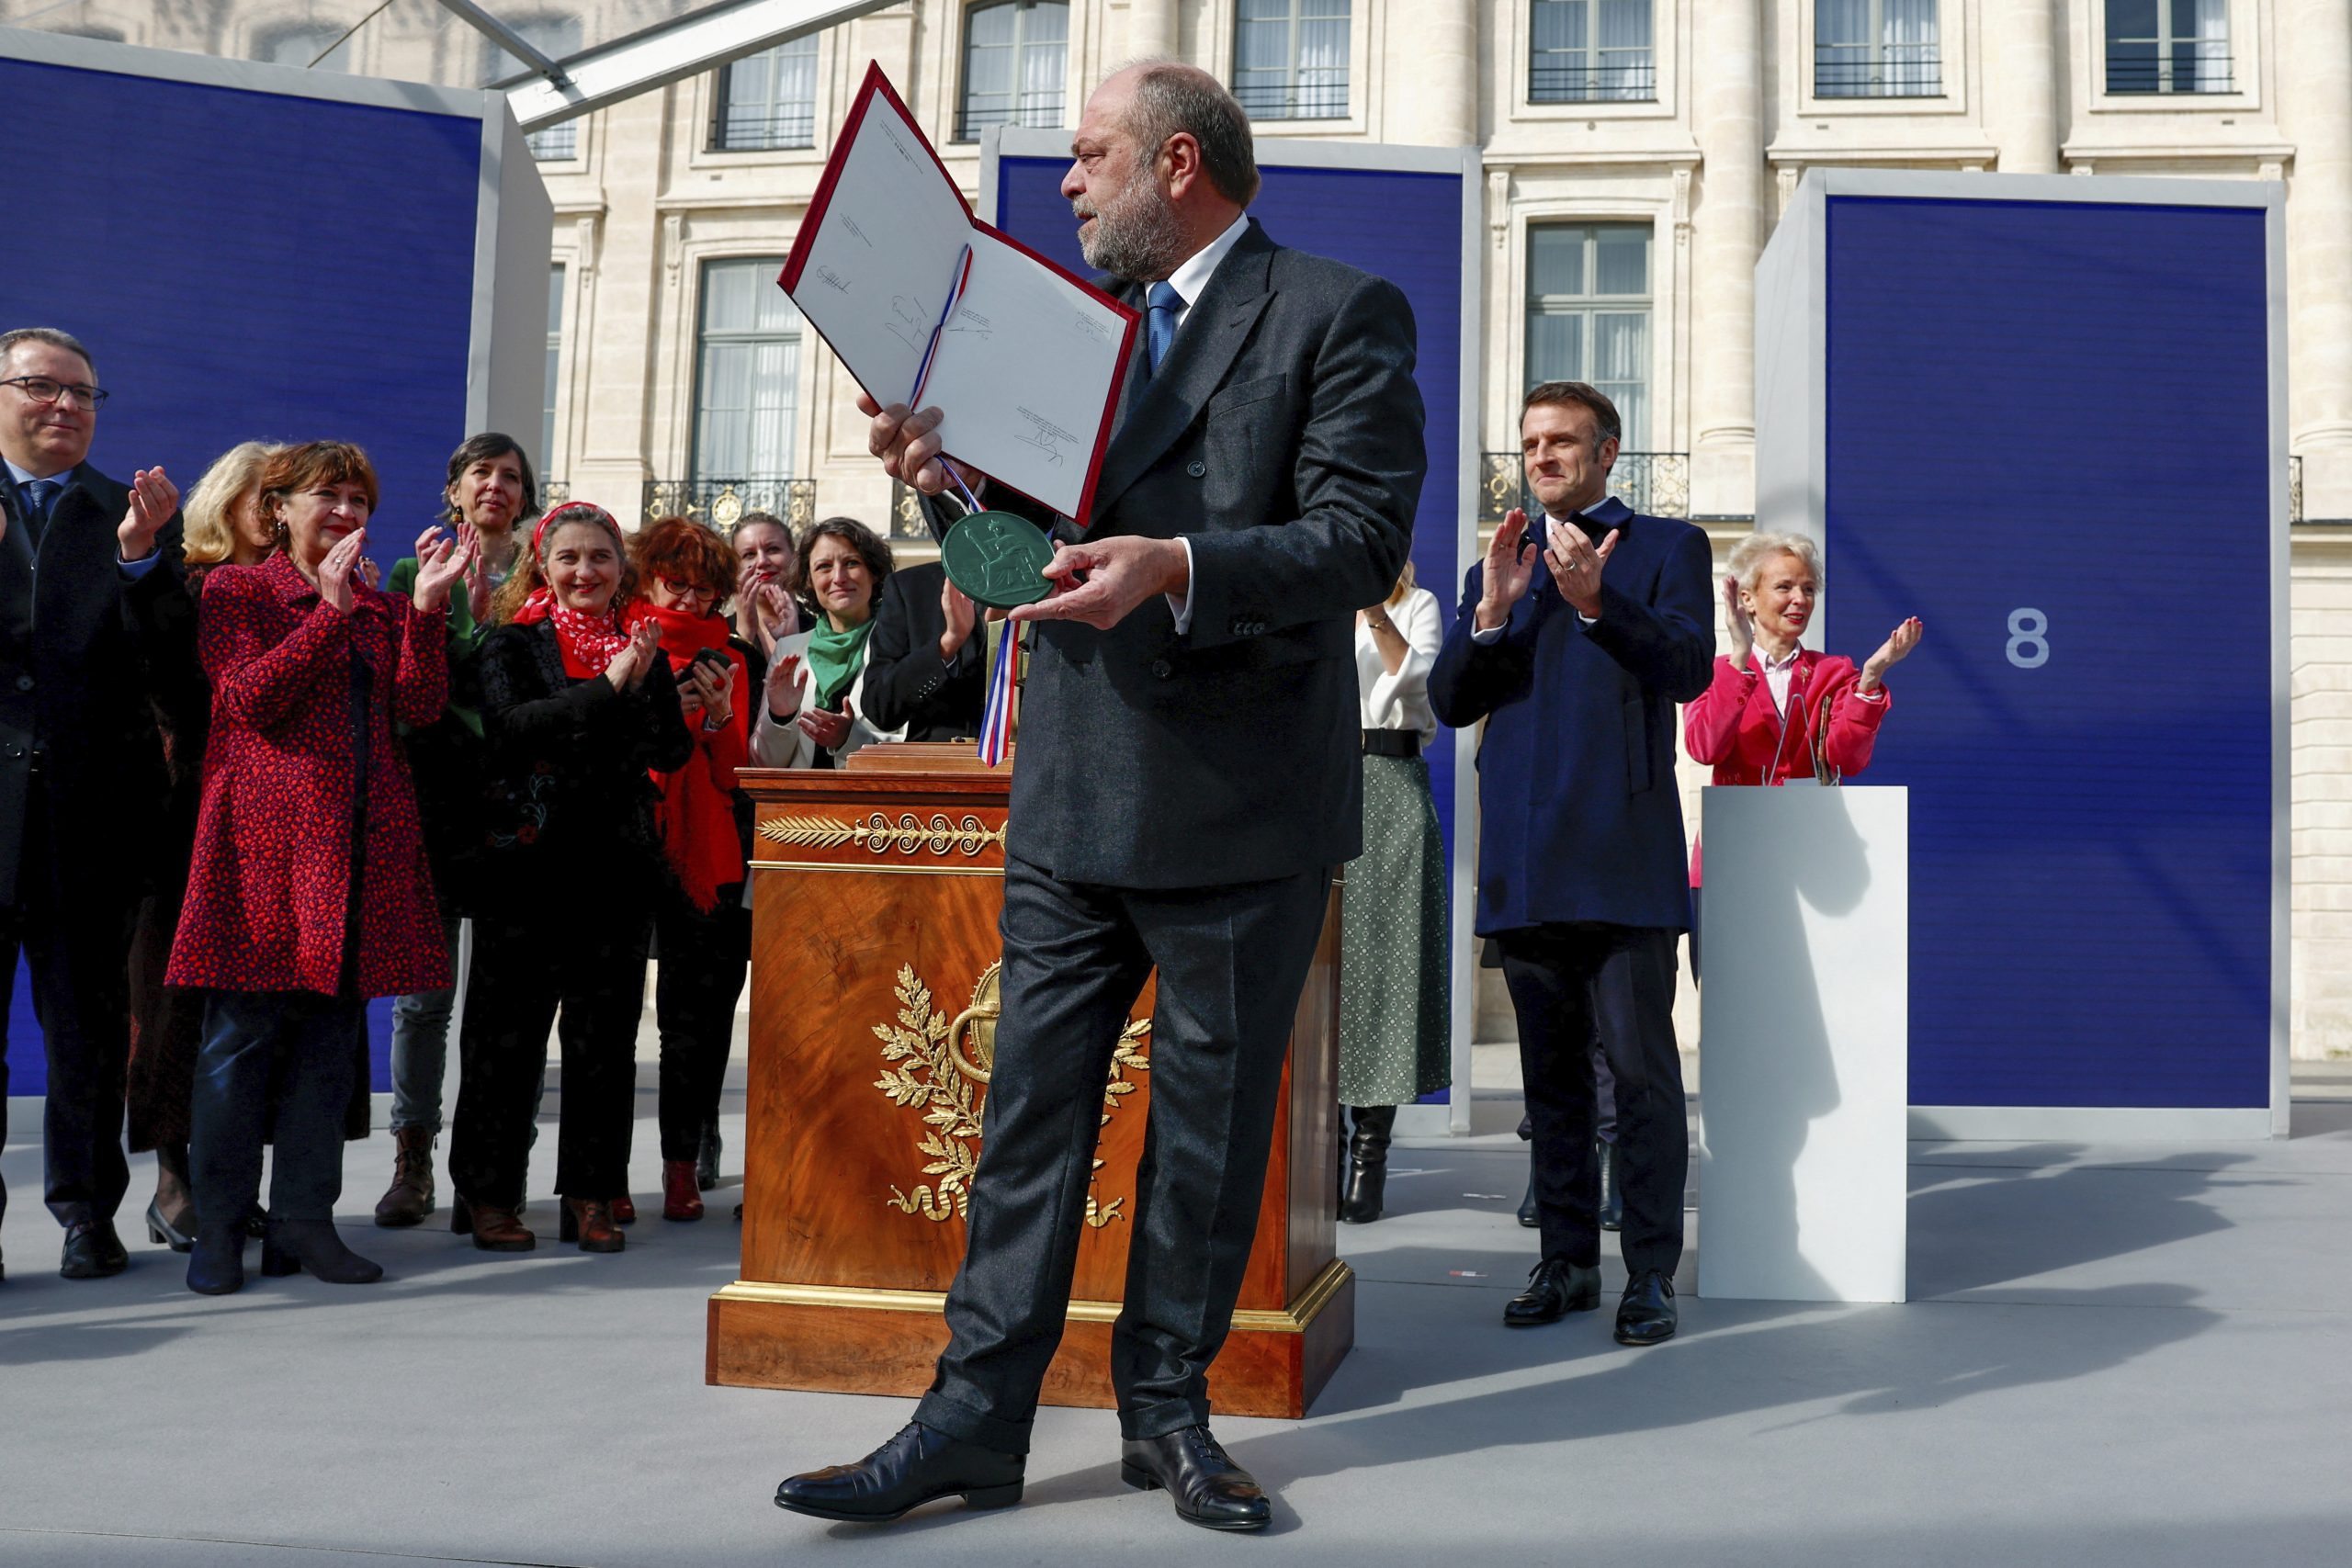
(1395,1013)
(222,526)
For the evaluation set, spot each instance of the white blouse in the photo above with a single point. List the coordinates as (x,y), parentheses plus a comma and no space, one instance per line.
(1401,701)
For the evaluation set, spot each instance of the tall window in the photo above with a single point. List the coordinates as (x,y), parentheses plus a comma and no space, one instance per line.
(557,38)
(1586,49)
(1876,49)
(1589,315)
(768,100)
(555,357)
(1016,59)
(302,45)
(1290,58)
(2168,46)
(747,385)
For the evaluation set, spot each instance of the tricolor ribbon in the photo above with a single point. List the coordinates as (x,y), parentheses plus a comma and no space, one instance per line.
(996,716)
(930,352)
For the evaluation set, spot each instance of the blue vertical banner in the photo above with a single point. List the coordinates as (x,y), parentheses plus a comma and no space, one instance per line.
(2048,434)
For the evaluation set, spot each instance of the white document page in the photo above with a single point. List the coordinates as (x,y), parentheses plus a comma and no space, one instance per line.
(1027,367)
(880,264)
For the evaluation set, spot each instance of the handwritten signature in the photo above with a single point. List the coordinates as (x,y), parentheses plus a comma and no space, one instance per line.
(833,279)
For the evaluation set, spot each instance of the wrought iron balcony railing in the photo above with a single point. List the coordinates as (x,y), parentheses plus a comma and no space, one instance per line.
(1294,100)
(746,130)
(722,503)
(1903,71)
(1040,109)
(1657,483)
(2148,68)
(1632,82)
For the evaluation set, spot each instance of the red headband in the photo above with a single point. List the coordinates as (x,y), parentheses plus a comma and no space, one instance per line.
(561,507)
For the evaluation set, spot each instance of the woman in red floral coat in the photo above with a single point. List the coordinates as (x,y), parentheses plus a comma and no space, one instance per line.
(309,892)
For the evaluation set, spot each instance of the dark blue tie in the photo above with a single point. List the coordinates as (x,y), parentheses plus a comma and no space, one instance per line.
(39,496)
(1159,329)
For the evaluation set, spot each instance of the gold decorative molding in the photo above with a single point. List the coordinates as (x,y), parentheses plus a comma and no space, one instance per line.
(926,1069)
(1295,1318)
(876,834)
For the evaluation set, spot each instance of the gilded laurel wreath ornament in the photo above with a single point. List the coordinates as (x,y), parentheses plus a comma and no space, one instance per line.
(878,834)
(938,1064)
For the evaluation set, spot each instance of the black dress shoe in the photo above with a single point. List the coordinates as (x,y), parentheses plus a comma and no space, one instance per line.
(1646,1313)
(163,1233)
(916,1467)
(92,1251)
(1555,1288)
(1208,1488)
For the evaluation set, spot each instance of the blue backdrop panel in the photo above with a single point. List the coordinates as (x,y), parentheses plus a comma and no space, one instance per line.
(2049,437)
(245,266)
(1405,227)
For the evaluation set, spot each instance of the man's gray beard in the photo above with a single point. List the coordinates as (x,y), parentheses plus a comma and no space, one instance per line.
(1137,234)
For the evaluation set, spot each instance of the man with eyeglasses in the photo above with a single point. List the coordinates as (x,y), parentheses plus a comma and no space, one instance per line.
(91,600)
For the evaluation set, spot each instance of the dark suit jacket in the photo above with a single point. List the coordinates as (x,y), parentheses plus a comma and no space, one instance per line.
(905,682)
(1579,818)
(80,646)
(1282,439)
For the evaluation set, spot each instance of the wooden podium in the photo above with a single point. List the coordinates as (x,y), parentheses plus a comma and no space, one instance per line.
(876,893)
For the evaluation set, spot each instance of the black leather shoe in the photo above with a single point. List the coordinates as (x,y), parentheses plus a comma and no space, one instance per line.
(918,1466)
(92,1251)
(1612,1196)
(1208,1488)
(216,1264)
(1646,1313)
(1555,1288)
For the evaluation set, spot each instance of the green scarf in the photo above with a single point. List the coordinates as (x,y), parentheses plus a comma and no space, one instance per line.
(834,659)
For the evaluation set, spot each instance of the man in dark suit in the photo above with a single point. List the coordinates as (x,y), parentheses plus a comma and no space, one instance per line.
(1187,775)
(926,665)
(1573,647)
(91,598)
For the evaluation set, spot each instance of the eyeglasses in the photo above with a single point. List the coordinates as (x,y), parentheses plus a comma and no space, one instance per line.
(689,590)
(43,390)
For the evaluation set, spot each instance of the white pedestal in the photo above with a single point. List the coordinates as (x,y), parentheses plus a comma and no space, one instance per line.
(1803,1034)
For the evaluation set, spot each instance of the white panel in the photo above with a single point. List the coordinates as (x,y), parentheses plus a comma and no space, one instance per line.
(1803,1162)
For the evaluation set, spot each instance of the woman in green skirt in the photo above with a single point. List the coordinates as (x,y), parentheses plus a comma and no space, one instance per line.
(1394,1011)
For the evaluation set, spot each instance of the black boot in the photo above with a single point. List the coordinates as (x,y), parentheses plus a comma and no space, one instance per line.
(296,1245)
(1612,1196)
(707,1157)
(1527,1214)
(216,1266)
(1367,1162)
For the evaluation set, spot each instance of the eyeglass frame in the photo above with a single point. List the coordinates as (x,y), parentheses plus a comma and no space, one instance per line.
(89,397)
(683,589)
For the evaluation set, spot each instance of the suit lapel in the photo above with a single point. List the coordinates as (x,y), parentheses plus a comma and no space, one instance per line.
(1215,329)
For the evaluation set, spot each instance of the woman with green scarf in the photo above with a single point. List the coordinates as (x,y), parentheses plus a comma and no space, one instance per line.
(813,713)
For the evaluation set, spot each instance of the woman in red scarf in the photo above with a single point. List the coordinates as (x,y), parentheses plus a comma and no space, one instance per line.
(576,710)
(702,933)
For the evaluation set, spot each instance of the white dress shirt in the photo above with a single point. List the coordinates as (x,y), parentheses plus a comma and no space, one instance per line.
(1189,279)
(1776,675)
(1401,701)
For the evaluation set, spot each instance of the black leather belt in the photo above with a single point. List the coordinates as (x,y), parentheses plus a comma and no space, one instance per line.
(1392,742)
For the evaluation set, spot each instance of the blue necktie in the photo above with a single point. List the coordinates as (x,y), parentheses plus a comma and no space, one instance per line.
(39,495)
(1159,329)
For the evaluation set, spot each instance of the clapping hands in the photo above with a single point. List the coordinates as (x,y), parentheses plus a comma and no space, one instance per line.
(628,668)
(154,500)
(1892,651)
(441,561)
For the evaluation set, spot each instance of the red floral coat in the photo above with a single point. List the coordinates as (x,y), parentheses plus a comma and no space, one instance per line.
(269,888)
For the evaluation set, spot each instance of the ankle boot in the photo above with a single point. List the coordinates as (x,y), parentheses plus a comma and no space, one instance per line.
(707,1157)
(680,1201)
(410,1198)
(589,1221)
(493,1230)
(624,1210)
(313,1246)
(216,1265)
(1612,1196)
(1367,1162)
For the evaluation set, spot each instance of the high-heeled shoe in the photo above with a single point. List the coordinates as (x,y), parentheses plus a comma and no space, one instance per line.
(163,1233)
(624,1210)
(493,1230)
(589,1221)
(680,1199)
(313,1246)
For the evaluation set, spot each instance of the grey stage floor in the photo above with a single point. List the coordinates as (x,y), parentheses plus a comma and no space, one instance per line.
(2129,1355)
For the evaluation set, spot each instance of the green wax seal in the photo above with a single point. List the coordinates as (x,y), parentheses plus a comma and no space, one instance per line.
(998,558)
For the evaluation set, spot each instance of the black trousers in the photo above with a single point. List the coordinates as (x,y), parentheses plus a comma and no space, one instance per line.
(587,964)
(72,923)
(703,959)
(1565,981)
(1232,962)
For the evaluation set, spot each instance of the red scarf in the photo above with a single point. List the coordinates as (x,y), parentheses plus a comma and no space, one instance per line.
(588,642)
(697,814)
